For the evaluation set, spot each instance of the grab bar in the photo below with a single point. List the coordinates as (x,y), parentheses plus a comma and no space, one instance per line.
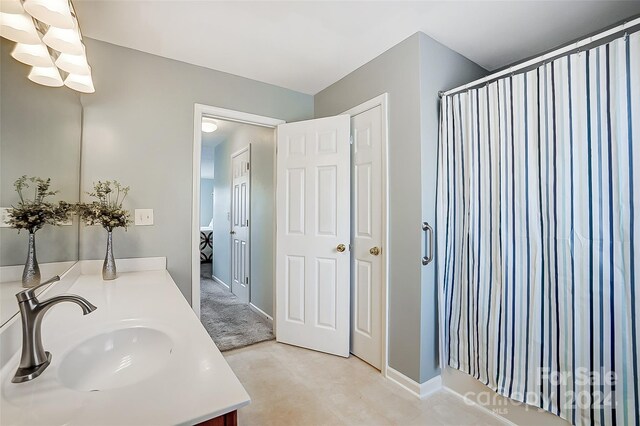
(428,245)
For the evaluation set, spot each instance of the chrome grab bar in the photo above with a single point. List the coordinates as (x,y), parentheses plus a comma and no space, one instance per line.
(428,244)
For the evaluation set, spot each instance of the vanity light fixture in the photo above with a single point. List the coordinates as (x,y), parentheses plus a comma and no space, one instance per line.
(47,76)
(73,64)
(36,55)
(12,6)
(209,125)
(81,83)
(18,27)
(58,58)
(56,13)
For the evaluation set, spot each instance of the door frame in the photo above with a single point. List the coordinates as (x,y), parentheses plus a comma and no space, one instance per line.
(382,101)
(235,154)
(199,111)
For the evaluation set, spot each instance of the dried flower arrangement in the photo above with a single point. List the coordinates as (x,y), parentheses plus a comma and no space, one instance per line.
(33,214)
(107,209)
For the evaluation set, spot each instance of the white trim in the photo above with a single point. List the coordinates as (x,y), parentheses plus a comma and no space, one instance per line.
(138,264)
(481,407)
(219,281)
(199,111)
(260,311)
(546,56)
(382,101)
(419,390)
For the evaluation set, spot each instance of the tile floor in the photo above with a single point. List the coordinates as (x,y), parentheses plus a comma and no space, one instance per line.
(294,386)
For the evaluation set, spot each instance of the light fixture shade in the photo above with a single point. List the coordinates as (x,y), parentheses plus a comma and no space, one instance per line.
(19,28)
(56,13)
(11,6)
(209,125)
(36,55)
(64,40)
(81,83)
(47,76)
(74,64)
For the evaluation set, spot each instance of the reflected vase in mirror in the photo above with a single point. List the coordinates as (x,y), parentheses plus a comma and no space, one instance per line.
(31,273)
(109,265)
(32,214)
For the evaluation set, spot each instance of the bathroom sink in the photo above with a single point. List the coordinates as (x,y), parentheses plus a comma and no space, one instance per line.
(115,359)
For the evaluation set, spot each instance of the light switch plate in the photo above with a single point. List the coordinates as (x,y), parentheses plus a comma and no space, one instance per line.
(143,217)
(4,216)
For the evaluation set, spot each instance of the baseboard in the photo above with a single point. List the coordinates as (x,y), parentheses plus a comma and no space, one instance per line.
(261,312)
(219,281)
(420,390)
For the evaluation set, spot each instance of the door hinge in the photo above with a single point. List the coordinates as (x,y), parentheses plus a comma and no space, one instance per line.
(350,139)
(247,166)
(246,280)
(247,222)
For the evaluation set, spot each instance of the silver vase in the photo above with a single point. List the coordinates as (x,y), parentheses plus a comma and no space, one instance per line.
(109,266)
(31,273)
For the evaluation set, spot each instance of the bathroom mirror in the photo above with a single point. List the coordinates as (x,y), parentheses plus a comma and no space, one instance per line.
(40,135)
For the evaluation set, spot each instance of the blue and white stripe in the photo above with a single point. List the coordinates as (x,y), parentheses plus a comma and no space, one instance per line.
(538,255)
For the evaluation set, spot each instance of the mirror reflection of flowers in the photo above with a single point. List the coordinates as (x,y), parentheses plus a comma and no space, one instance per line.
(33,214)
(106,209)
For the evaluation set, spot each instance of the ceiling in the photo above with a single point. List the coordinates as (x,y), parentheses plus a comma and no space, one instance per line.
(308,45)
(225,131)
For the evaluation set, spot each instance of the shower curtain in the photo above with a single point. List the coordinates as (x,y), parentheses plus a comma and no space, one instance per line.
(539,239)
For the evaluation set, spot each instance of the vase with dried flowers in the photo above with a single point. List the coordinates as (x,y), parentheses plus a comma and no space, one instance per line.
(106,210)
(33,214)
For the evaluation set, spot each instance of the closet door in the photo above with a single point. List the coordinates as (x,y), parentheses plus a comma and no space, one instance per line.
(313,232)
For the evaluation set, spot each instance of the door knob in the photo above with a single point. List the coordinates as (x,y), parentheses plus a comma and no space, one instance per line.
(374,251)
(341,248)
(232,232)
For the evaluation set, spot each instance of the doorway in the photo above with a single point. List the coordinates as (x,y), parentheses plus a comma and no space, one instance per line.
(235,308)
(366,248)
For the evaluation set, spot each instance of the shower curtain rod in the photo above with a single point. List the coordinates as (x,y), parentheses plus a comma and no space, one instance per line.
(627,26)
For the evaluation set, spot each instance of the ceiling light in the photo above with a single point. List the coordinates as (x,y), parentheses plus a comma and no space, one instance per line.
(209,125)
(36,55)
(64,40)
(56,13)
(74,64)
(47,76)
(11,6)
(81,83)
(19,28)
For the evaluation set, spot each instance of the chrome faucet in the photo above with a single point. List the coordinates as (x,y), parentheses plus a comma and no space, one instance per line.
(34,359)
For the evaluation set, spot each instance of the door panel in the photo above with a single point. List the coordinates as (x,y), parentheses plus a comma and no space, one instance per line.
(366,291)
(240,203)
(312,276)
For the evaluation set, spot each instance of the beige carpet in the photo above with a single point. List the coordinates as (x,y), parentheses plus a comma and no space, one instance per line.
(230,323)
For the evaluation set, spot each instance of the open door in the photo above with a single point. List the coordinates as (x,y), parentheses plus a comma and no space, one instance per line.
(240,204)
(313,232)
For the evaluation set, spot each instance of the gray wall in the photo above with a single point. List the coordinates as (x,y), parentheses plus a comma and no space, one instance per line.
(440,69)
(262,211)
(40,136)
(397,72)
(206,201)
(411,72)
(138,129)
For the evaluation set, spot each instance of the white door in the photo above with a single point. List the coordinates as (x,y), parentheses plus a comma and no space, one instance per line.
(240,202)
(366,284)
(312,255)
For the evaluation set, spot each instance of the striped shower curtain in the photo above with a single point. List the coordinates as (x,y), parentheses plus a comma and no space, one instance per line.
(539,239)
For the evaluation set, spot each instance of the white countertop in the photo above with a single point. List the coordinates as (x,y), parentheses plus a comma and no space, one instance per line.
(194,385)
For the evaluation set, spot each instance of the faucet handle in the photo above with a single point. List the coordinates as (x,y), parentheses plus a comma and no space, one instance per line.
(30,293)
